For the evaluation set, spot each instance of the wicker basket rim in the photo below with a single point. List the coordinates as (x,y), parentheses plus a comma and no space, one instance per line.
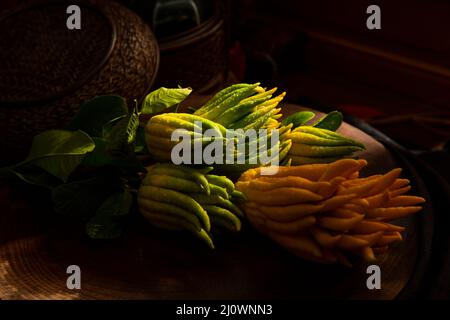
(89,75)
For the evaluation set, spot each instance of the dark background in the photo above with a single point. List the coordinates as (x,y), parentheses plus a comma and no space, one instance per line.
(322,50)
(321,53)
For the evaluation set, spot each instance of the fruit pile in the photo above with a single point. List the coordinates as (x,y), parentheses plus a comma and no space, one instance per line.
(182,198)
(245,106)
(323,212)
(259,152)
(160,128)
(318,208)
(320,211)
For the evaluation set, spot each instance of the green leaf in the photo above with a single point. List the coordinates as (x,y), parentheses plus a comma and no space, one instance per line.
(35,176)
(117,147)
(331,121)
(108,127)
(163,98)
(95,113)
(121,134)
(107,222)
(83,198)
(132,128)
(141,145)
(59,152)
(298,119)
(99,156)
(125,162)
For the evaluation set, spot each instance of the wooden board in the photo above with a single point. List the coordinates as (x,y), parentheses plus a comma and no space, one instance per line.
(36,248)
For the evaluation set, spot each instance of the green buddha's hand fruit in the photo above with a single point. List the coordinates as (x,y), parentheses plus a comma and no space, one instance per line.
(316,145)
(182,198)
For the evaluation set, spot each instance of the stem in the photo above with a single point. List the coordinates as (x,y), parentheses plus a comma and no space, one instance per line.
(136,107)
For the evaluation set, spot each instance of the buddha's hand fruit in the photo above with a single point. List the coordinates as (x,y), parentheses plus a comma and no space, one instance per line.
(183,198)
(163,132)
(243,106)
(325,212)
(316,145)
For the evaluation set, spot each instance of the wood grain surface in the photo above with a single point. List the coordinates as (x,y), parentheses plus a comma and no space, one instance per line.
(36,247)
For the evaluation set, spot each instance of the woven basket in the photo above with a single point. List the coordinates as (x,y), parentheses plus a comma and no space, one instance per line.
(196,58)
(47,70)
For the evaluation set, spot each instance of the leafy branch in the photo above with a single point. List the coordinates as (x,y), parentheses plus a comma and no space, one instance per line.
(89,167)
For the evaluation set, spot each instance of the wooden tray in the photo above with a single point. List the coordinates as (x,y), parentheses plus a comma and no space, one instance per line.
(36,248)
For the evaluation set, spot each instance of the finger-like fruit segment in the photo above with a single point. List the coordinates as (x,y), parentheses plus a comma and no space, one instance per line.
(224,214)
(347,217)
(150,206)
(182,198)
(184,201)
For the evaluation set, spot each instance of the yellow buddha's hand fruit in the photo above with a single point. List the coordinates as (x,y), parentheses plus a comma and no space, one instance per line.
(326,212)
